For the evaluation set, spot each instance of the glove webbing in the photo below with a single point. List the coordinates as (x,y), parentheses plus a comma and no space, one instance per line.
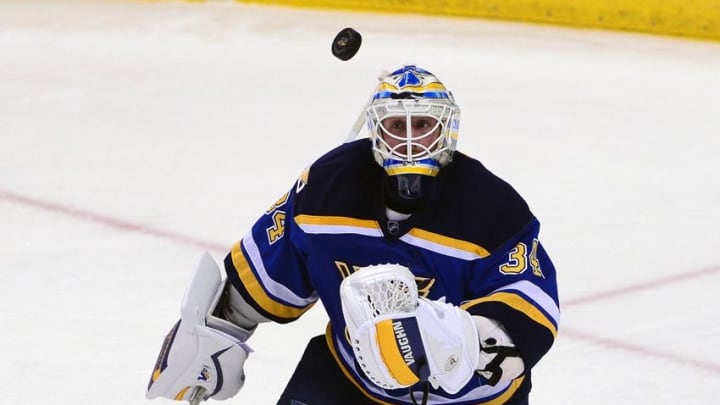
(493,367)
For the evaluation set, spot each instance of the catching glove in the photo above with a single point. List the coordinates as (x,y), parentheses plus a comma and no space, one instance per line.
(400,339)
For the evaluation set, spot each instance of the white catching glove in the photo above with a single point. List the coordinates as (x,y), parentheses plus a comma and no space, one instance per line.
(400,339)
(202,355)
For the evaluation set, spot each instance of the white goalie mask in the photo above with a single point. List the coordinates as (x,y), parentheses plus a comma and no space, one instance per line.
(413,122)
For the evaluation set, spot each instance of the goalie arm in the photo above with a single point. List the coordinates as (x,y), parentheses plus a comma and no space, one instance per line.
(518,288)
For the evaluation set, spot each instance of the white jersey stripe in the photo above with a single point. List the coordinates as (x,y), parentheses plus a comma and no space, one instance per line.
(274,288)
(340,229)
(537,295)
(438,248)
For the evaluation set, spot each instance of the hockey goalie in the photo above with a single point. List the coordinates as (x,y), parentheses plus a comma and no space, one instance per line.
(429,266)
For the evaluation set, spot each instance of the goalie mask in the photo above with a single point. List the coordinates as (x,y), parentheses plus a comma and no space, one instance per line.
(413,122)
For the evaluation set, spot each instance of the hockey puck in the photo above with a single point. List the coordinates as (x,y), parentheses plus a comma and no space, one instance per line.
(346,43)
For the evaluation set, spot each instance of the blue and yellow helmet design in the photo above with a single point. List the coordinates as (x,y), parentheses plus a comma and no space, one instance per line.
(413,122)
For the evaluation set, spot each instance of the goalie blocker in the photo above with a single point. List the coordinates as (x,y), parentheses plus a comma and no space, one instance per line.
(202,355)
(400,339)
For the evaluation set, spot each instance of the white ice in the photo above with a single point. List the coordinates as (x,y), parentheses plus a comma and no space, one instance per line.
(136,135)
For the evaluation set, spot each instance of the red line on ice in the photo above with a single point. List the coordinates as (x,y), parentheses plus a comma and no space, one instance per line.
(641,350)
(647,285)
(92,217)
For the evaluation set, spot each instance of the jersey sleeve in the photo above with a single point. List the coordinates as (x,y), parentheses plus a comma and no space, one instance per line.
(522,294)
(268,270)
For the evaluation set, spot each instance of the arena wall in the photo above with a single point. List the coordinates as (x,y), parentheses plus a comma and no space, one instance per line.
(689,18)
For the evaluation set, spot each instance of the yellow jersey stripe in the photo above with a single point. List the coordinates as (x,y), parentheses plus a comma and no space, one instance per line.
(331,220)
(257,292)
(518,303)
(505,396)
(328,225)
(446,245)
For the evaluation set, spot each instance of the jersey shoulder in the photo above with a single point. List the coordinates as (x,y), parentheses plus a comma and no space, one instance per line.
(478,206)
(342,182)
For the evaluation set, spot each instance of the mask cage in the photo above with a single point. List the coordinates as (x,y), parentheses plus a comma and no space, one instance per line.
(398,150)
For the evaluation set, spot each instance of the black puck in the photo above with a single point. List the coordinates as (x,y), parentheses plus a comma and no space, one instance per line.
(346,43)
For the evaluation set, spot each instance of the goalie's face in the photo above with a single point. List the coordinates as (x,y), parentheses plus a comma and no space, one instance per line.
(410,138)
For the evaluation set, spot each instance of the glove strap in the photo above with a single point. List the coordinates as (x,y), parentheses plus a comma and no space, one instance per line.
(424,400)
(493,367)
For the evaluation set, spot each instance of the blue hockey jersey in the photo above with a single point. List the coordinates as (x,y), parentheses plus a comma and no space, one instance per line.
(475,244)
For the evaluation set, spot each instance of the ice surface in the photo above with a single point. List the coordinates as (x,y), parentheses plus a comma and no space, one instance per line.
(134,136)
